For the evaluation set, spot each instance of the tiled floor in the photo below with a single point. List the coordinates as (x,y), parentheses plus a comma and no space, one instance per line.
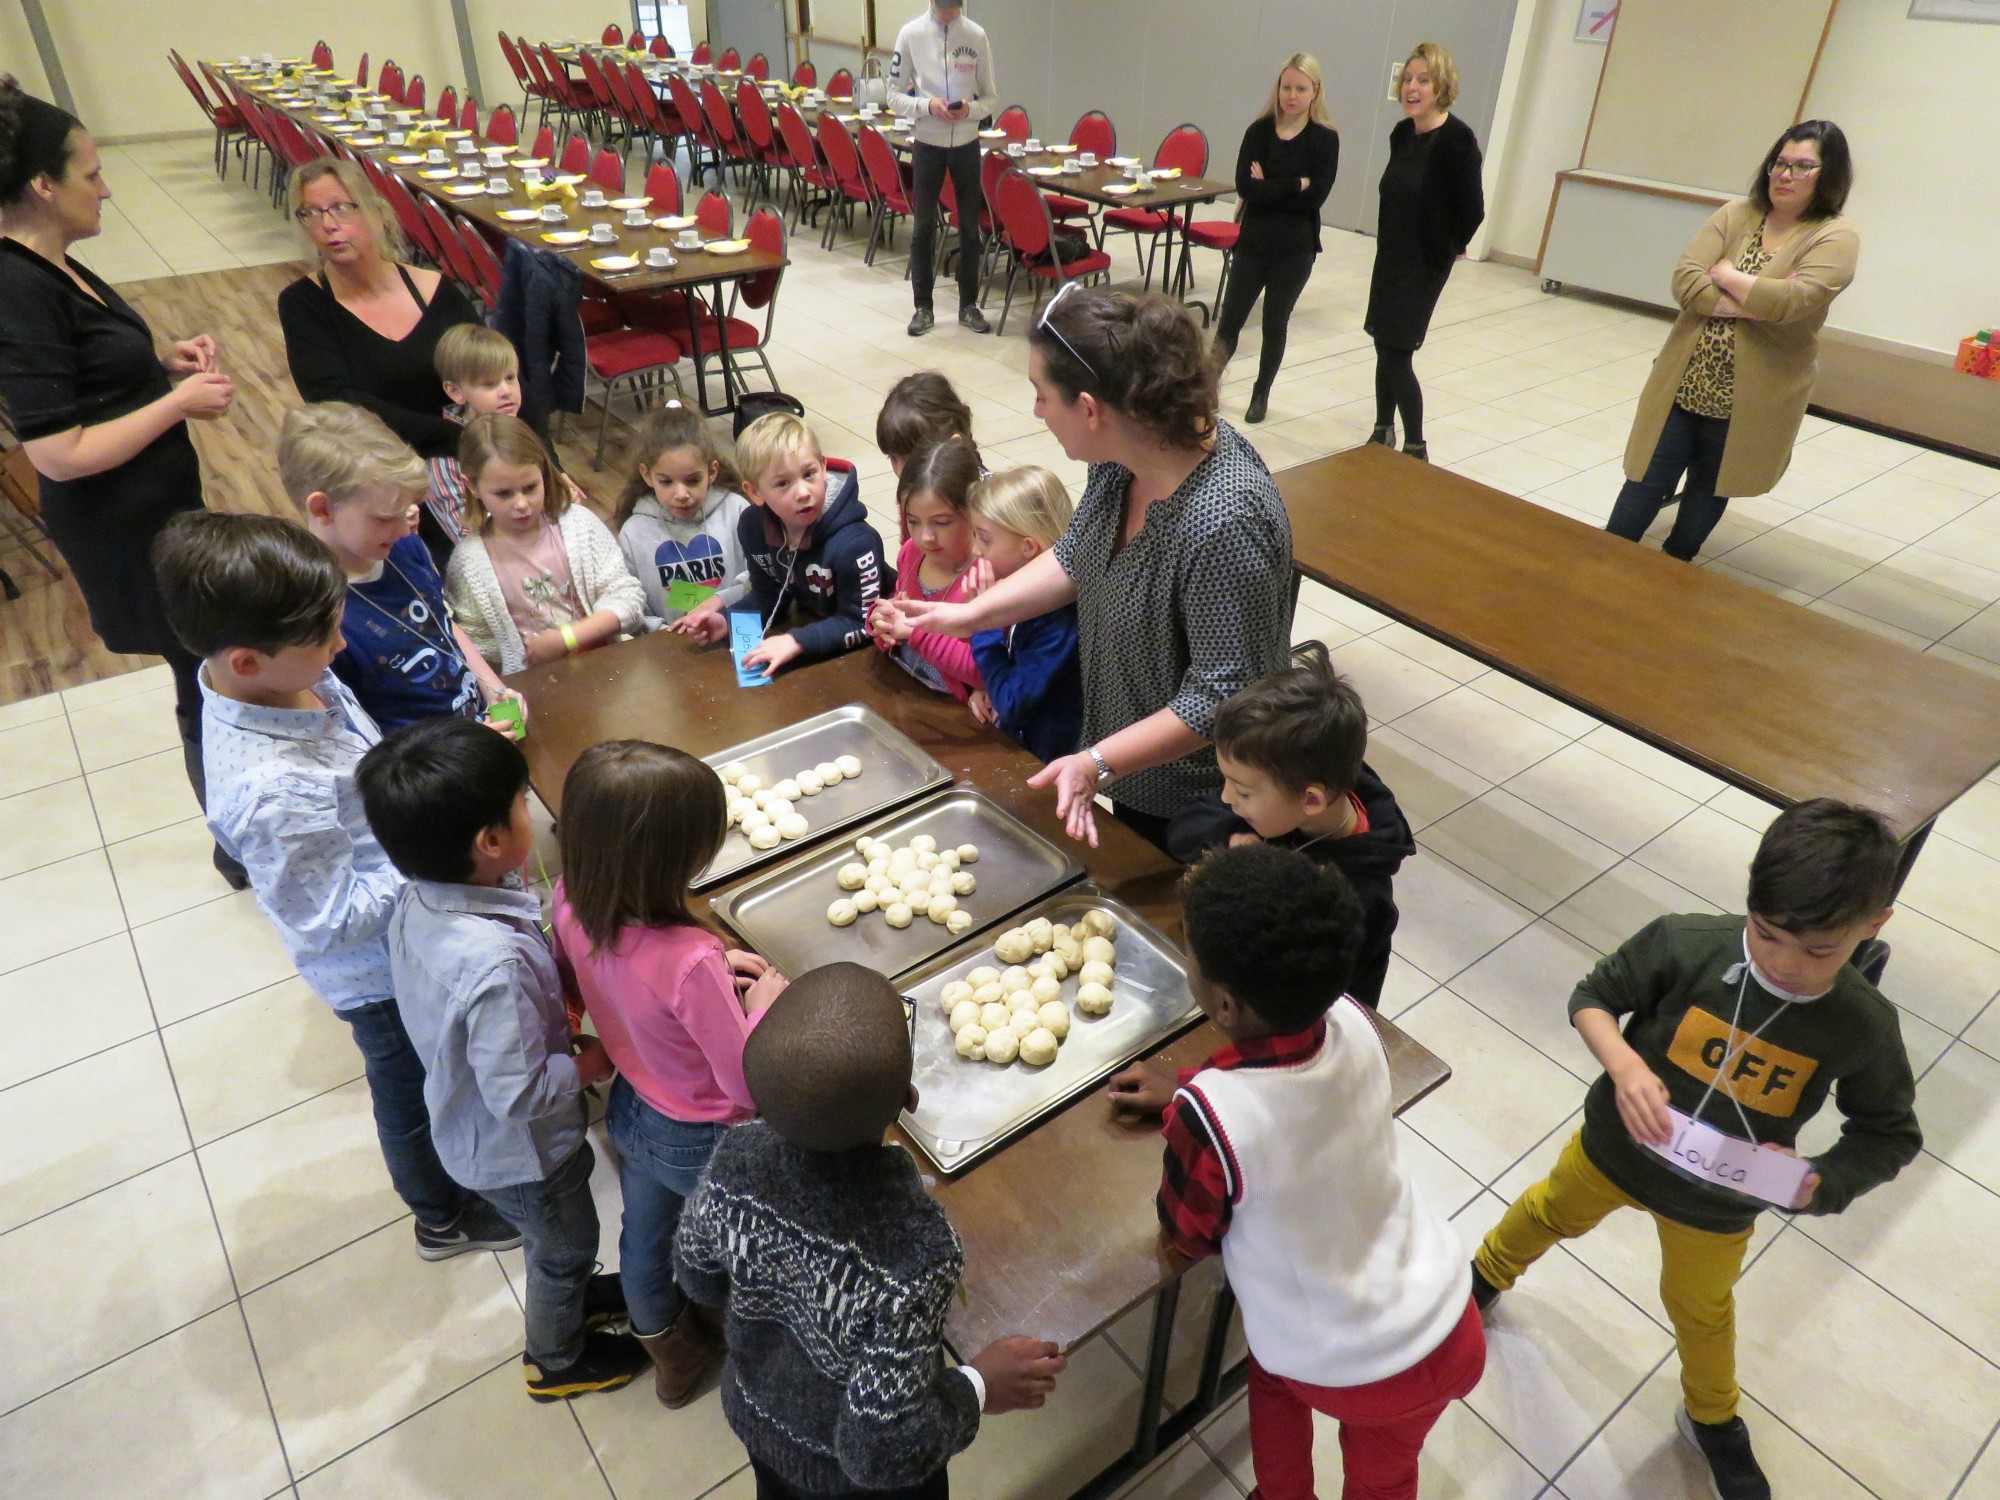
(209,1290)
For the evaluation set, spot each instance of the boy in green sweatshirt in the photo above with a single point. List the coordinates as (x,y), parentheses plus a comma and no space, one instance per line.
(1734,1031)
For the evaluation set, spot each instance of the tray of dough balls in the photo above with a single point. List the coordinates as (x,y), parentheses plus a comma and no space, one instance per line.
(1010,1031)
(911,885)
(815,778)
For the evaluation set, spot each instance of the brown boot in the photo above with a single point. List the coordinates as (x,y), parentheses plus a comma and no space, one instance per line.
(684,1355)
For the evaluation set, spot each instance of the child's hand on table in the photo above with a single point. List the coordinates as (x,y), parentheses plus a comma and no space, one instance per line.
(545,646)
(763,991)
(773,654)
(982,707)
(1145,1088)
(888,624)
(593,1064)
(495,694)
(706,623)
(1019,1373)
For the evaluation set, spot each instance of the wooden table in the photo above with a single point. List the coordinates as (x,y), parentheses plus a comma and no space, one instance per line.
(1778,700)
(1931,405)
(1059,1228)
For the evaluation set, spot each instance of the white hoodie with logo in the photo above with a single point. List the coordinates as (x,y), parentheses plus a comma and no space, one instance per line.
(953,63)
(663,549)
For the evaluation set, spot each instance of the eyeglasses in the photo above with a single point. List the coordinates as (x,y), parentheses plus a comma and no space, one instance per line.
(1794,168)
(340,213)
(1046,323)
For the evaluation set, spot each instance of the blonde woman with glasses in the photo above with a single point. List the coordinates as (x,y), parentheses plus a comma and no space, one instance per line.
(365,327)
(1284,170)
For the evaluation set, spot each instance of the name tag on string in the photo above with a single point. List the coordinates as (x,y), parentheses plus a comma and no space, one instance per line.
(746,634)
(1705,1153)
(683,596)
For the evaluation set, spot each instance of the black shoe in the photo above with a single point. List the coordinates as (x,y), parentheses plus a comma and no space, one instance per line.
(232,872)
(1733,1471)
(1259,404)
(1386,436)
(608,1361)
(604,1302)
(1484,1292)
(971,317)
(922,322)
(477,1228)
(1419,451)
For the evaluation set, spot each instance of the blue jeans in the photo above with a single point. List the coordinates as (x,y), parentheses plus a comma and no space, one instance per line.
(662,1160)
(1688,445)
(557,1220)
(402,1123)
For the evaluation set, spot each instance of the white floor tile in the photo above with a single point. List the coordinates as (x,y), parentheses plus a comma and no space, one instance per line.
(1427,785)
(1518,850)
(70,1006)
(252,1057)
(37,754)
(1480,733)
(51,823)
(1525,985)
(125,728)
(139,796)
(1620,807)
(1449,918)
(208,954)
(167,871)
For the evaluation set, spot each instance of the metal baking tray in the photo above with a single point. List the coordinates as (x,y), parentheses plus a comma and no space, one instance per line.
(783,914)
(893,770)
(967,1110)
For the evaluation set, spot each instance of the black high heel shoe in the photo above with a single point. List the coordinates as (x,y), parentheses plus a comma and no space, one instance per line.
(1259,403)
(1385,435)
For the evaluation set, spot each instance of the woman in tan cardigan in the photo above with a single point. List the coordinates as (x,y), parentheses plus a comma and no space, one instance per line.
(1723,403)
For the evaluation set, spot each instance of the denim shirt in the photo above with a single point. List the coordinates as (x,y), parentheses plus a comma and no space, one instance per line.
(480,997)
(282,800)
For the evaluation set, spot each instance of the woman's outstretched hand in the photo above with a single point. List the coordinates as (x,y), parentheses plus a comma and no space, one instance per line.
(1075,779)
(937,617)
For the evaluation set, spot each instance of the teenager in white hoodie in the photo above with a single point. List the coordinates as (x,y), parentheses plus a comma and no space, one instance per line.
(942,81)
(677,520)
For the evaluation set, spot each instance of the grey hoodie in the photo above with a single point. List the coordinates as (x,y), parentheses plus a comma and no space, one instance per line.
(662,549)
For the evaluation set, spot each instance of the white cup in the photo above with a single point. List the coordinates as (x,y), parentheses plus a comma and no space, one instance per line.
(870,111)
(690,239)
(472,169)
(636,218)
(552,213)
(358,114)
(1072,167)
(496,156)
(1135,172)
(1087,159)
(593,198)
(435,154)
(497,187)
(405,116)
(604,234)
(395,137)
(1034,143)
(1015,148)
(531,174)
(659,255)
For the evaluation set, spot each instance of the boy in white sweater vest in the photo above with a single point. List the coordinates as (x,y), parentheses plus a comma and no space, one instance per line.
(1282,1157)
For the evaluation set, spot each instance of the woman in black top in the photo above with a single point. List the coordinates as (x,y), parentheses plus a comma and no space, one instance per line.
(1284,171)
(101,416)
(1432,205)
(365,329)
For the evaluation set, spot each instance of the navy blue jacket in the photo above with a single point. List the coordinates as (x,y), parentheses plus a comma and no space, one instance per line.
(1035,680)
(539,293)
(834,579)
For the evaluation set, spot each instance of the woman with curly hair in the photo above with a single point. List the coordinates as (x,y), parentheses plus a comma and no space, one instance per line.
(1179,559)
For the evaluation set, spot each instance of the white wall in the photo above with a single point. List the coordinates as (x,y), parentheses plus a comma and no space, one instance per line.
(1558,81)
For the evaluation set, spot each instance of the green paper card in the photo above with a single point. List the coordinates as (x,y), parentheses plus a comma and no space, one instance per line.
(683,596)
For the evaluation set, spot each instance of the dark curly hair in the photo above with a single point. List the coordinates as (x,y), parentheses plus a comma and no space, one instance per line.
(1142,356)
(1833,181)
(1274,929)
(34,139)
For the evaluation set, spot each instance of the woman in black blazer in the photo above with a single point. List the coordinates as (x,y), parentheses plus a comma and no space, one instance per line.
(1432,205)
(1284,171)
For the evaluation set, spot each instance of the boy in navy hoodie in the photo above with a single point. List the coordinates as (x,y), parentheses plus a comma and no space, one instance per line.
(1291,750)
(823,561)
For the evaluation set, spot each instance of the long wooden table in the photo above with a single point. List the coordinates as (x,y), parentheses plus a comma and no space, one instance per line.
(1931,405)
(1781,701)
(1059,1228)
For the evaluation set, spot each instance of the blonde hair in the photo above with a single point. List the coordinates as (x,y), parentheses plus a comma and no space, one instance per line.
(1306,63)
(768,441)
(340,451)
(1028,501)
(374,211)
(1443,71)
(499,438)
(473,354)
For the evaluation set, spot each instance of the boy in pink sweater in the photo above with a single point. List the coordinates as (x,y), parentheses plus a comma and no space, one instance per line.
(935,564)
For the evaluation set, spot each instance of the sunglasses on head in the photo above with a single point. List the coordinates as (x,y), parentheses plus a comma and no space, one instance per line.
(1047,323)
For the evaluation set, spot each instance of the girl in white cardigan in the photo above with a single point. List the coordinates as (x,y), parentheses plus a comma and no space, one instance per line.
(537,577)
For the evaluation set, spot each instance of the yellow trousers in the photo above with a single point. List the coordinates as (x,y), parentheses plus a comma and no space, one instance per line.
(1698,1270)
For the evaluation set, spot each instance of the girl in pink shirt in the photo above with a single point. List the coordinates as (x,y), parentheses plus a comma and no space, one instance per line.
(934,493)
(671,1005)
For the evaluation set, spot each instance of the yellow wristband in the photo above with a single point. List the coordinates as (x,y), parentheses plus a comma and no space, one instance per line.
(569,639)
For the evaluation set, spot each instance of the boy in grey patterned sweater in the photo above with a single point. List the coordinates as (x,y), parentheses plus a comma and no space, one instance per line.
(837,1268)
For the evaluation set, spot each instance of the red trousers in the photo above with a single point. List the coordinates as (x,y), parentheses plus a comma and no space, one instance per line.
(1382,1425)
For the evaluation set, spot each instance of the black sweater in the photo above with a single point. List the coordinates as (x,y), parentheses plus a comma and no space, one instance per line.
(1453,205)
(1279,216)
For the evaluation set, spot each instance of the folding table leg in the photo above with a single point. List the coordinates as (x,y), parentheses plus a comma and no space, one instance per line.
(1153,1389)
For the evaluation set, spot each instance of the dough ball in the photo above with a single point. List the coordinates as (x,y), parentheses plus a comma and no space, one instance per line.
(897,915)
(982,975)
(962,883)
(926,860)
(939,883)
(994,1015)
(943,905)
(828,773)
(1016,978)
(1054,1018)
(1041,933)
(851,876)
(1038,1048)
(1071,951)
(988,993)
(809,783)
(1058,932)
(752,816)
(959,921)
(1095,973)
(1020,999)
(1014,947)
(963,1014)
(954,992)
(1023,1021)
(736,807)
(764,797)
(911,886)
(850,765)
(1099,924)
(748,782)
(948,858)
(863,846)
(764,836)
(842,913)
(938,914)
(923,843)
(1093,999)
(918,902)
(1046,989)
(876,883)
(792,826)
(970,1042)
(1002,1046)
(732,773)
(1055,965)
(1100,950)
(866,900)
(878,869)
(968,854)
(902,859)
(789,789)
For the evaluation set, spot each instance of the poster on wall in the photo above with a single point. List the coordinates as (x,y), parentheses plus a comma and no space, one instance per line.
(1956,10)
(1595,19)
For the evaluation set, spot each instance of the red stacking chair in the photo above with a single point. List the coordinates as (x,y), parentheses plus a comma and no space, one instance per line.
(663,188)
(225,119)
(518,68)
(841,85)
(731,61)
(702,55)
(389,83)
(759,66)
(570,99)
(846,183)
(714,217)
(760,138)
(694,125)
(805,75)
(597,96)
(759,293)
(636,355)
(662,126)
(540,87)
(636,42)
(1185,147)
(608,172)
(1030,234)
(885,176)
(662,48)
(361,73)
(576,156)
(545,143)
(624,108)
(457,263)
(413,93)
(721,127)
(613,35)
(322,55)
(1211,234)
(1014,121)
(1093,132)
(800,159)
(447,105)
(468,116)
(500,127)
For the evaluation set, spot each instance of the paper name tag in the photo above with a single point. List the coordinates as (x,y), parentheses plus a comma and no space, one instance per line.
(1705,1153)
(746,634)
(683,596)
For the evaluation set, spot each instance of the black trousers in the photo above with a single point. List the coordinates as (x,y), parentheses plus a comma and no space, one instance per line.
(771,1487)
(1689,445)
(1279,279)
(928,167)
(184,664)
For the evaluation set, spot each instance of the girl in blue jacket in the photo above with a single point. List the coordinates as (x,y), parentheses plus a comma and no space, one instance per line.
(1034,683)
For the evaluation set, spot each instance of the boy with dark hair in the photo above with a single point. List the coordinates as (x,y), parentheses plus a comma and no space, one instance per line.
(260,600)
(1282,1157)
(483,1002)
(1731,1024)
(836,1266)
(1291,748)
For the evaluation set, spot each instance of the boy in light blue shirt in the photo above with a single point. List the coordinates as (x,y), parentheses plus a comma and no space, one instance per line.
(260,600)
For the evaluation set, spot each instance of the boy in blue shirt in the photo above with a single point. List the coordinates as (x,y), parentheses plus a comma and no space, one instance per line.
(259,600)
(358,486)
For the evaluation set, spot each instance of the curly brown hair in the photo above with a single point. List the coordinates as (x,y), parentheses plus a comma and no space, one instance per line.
(1141,356)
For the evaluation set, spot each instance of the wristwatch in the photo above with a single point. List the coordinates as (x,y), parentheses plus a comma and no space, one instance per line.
(1103,765)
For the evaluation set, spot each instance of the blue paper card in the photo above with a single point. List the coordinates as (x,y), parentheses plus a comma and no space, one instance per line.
(746,634)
